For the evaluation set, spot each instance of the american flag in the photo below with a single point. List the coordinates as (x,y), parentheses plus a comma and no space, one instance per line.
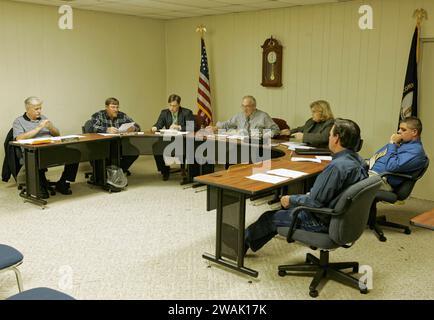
(204,90)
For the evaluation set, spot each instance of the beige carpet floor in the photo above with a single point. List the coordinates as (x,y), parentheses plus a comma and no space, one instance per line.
(147,243)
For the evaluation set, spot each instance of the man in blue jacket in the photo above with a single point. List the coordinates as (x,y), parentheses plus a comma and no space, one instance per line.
(403,154)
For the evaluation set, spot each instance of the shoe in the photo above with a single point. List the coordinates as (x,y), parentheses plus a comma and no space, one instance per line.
(43,193)
(63,187)
(166,176)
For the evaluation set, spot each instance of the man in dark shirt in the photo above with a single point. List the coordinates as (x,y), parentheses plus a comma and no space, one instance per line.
(109,121)
(174,117)
(346,168)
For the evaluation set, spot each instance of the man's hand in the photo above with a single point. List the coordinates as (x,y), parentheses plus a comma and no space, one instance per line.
(298,136)
(45,124)
(175,127)
(285,201)
(212,128)
(395,138)
(154,129)
(112,130)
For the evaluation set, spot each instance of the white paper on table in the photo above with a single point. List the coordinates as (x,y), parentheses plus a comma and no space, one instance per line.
(325,158)
(297,159)
(290,144)
(66,137)
(263,177)
(296,145)
(108,134)
(126,126)
(30,141)
(172,132)
(287,173)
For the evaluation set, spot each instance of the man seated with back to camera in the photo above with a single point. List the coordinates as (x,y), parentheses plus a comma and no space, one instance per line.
(346,169)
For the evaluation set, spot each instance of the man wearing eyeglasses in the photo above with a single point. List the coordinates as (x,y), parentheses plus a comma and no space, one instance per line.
(249,119)
(109,121)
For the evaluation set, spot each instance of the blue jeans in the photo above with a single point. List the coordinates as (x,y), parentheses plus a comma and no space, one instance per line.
(265,228)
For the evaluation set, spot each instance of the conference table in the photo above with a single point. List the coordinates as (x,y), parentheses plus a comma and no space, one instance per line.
(89,147)
(227,192)
(199,152)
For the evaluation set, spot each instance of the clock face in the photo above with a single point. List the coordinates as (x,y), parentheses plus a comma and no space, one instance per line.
(271,57)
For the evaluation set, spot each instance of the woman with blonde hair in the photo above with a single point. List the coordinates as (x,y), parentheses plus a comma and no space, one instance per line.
(315,132)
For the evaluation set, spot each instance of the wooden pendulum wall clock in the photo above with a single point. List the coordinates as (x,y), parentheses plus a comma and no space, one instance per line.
(271,63)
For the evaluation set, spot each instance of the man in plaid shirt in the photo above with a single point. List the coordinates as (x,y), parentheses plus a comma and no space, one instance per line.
(109,121)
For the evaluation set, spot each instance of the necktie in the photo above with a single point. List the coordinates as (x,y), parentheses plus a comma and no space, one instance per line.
(175,118)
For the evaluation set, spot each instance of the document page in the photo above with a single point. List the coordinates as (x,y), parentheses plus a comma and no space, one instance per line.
(126,126)
(287,173)
(325,158)
(263,177)
(298,159)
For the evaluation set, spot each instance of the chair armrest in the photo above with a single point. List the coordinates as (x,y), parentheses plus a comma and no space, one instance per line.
(297,210)
(399,175)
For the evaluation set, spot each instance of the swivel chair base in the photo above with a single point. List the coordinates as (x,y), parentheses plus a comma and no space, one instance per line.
(381,221)
(322,269)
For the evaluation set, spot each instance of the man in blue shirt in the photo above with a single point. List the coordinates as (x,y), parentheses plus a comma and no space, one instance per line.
(403,154)
(346,168)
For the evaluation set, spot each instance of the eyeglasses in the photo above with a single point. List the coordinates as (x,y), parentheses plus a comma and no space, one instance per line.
(247,106)
(114,107)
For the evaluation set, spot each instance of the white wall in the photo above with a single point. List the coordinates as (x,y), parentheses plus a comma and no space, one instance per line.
(325,56)
(75,71)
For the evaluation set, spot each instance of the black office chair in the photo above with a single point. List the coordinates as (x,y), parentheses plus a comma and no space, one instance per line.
(12,165)
(400,193)
(10,259)
(348,221)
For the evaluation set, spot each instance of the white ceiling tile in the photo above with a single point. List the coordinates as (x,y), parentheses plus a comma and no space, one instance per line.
(172,9)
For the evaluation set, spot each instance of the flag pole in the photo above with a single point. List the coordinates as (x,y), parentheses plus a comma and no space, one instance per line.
(201,29)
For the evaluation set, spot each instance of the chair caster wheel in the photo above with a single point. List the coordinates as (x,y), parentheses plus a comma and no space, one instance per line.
(364,291)
(313,293)
(382,238)
(282,273)
(407,231)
